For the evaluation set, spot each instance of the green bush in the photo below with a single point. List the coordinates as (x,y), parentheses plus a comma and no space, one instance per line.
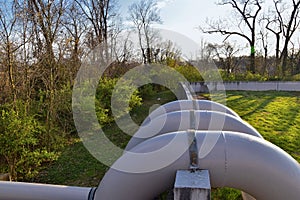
(190,73)
(147,90)
(296,77)
(20,135)
(254,77)
(63,107)
(247,76)
(103,102)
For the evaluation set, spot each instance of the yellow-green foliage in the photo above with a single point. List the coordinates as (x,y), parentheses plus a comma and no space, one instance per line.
(20,139)
(189,72)
(126,94)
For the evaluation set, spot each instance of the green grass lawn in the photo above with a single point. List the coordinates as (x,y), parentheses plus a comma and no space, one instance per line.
(276,115)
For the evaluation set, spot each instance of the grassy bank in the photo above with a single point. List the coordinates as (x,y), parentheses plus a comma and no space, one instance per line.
(276,115)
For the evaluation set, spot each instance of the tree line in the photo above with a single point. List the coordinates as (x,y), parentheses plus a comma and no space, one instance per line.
(262,25)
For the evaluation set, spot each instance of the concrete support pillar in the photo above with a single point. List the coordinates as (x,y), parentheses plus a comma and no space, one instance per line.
(192,184)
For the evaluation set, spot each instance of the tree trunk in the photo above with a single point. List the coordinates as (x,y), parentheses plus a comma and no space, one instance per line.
(284,57)
(11,71)
(252,60)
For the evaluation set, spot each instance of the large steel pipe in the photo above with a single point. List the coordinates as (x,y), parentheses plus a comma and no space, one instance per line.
(253,165)
(189,105)
(181,121)
(33,191)
(236,160)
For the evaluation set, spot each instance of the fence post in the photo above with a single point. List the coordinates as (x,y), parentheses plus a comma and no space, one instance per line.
(192,184)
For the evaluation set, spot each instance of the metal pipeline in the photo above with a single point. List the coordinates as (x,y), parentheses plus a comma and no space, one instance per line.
(236,160)
(239,159)
(188,105)
(33,191)
(181,121)
(194,105)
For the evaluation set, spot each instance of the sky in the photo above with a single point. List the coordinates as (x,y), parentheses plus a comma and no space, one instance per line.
(185,16)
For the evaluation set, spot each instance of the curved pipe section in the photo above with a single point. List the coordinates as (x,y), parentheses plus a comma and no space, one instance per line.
(236,160)
(252,165)
(189,105)
(182,120)
(32,191)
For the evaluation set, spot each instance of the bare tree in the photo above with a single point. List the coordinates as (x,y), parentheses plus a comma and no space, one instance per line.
(100,14)
(167,51)
(248,11)
(24,54)
(225,55)
(122,47)
(143,14)
(294,58)
(46,18)
(289,29)
(274,26)
(71,47)
(75,25)
(263,36)
(283,24)
(10,44)
(7,24)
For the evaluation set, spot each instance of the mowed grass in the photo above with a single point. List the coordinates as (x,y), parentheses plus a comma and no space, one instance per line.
(276,115)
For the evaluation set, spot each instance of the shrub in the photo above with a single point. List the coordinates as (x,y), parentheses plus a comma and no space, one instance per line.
(20,143)
(254,77)
(103,99)
(190,73)
(147,90)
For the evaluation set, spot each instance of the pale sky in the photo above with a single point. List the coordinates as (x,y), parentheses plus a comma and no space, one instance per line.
(184,16)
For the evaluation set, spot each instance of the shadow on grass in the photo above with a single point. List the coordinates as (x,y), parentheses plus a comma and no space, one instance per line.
(276,115)
(248,103)
(259,106)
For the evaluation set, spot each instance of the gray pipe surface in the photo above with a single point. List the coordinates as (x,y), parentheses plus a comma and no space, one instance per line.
(185,105)
(32,191)
(189,105)
(181,121)
(236,160)
(252,165)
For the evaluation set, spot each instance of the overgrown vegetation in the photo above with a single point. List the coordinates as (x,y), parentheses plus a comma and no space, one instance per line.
(21,142)
(76,166)
(27,142)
